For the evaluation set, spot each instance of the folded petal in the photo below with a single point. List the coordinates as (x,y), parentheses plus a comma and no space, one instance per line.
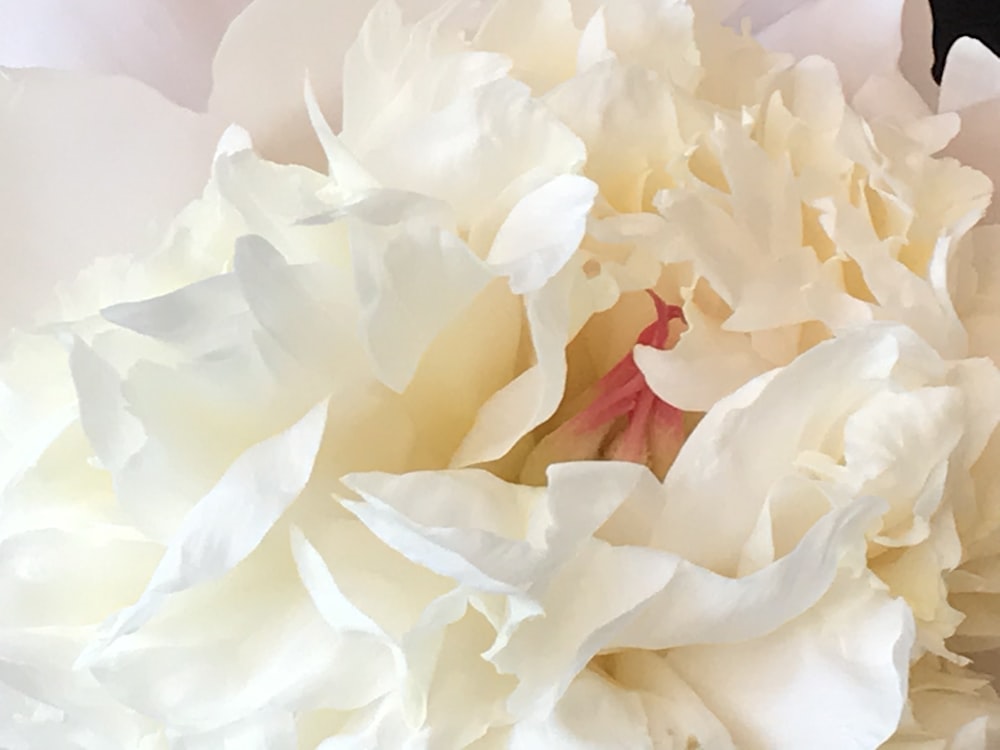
(231,520)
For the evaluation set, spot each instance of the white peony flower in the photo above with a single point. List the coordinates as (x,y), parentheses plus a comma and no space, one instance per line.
(320,467)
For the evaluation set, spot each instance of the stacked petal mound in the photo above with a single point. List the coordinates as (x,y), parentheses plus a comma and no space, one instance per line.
(619,385)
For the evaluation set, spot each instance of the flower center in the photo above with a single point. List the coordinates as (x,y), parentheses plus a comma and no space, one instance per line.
(623,419)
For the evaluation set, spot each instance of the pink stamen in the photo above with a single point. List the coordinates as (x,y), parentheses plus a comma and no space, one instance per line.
(624,421)
(654,429)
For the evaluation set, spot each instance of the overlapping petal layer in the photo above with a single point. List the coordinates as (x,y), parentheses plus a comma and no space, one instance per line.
(268,484)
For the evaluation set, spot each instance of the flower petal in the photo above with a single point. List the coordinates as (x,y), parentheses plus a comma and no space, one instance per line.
(971,76)
(971,86)
(167,45)
(412,279)
(861,37)
(230,521)
(592,715)
(262,64)
(837,675)
(93,167)
(918,50)
(542,232)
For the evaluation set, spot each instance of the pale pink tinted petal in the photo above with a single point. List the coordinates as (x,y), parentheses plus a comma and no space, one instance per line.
(974,145)
(262,63)
(971,76)
(862,37)
(92,167)
(971,86)
(918,51)
(168,44)
(760,13)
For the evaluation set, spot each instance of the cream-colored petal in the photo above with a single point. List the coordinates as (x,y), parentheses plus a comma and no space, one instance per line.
(863,362)
(705,365)
(223,655)
(230,521)
(833,679)
(538,36)
(411,281)
(593,715)
(533,396)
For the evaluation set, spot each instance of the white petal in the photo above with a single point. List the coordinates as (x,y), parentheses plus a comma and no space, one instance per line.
(335,608)
(698,606)
(223,655)
(395,74)
(592,715)
(978,294)
(264,59)
(643,598)
(411,280)
(837,375)
(342,166)
(673,710)
(656,35)
(760,13)
(538,36)
(542,231)
(268,730)
(96,167)
(480,153)
(484,532)
(592,598)
(705,365)
(832,679)
(533,396)
(377,591)
(114,433)
(901,444)
(971,76)
(230,521)
(281,296)
(178,317)
(63,707)
(33,411)
(72,579)
(168,46)
(462,678)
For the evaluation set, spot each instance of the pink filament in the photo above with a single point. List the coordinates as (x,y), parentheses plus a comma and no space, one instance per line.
(654,427)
